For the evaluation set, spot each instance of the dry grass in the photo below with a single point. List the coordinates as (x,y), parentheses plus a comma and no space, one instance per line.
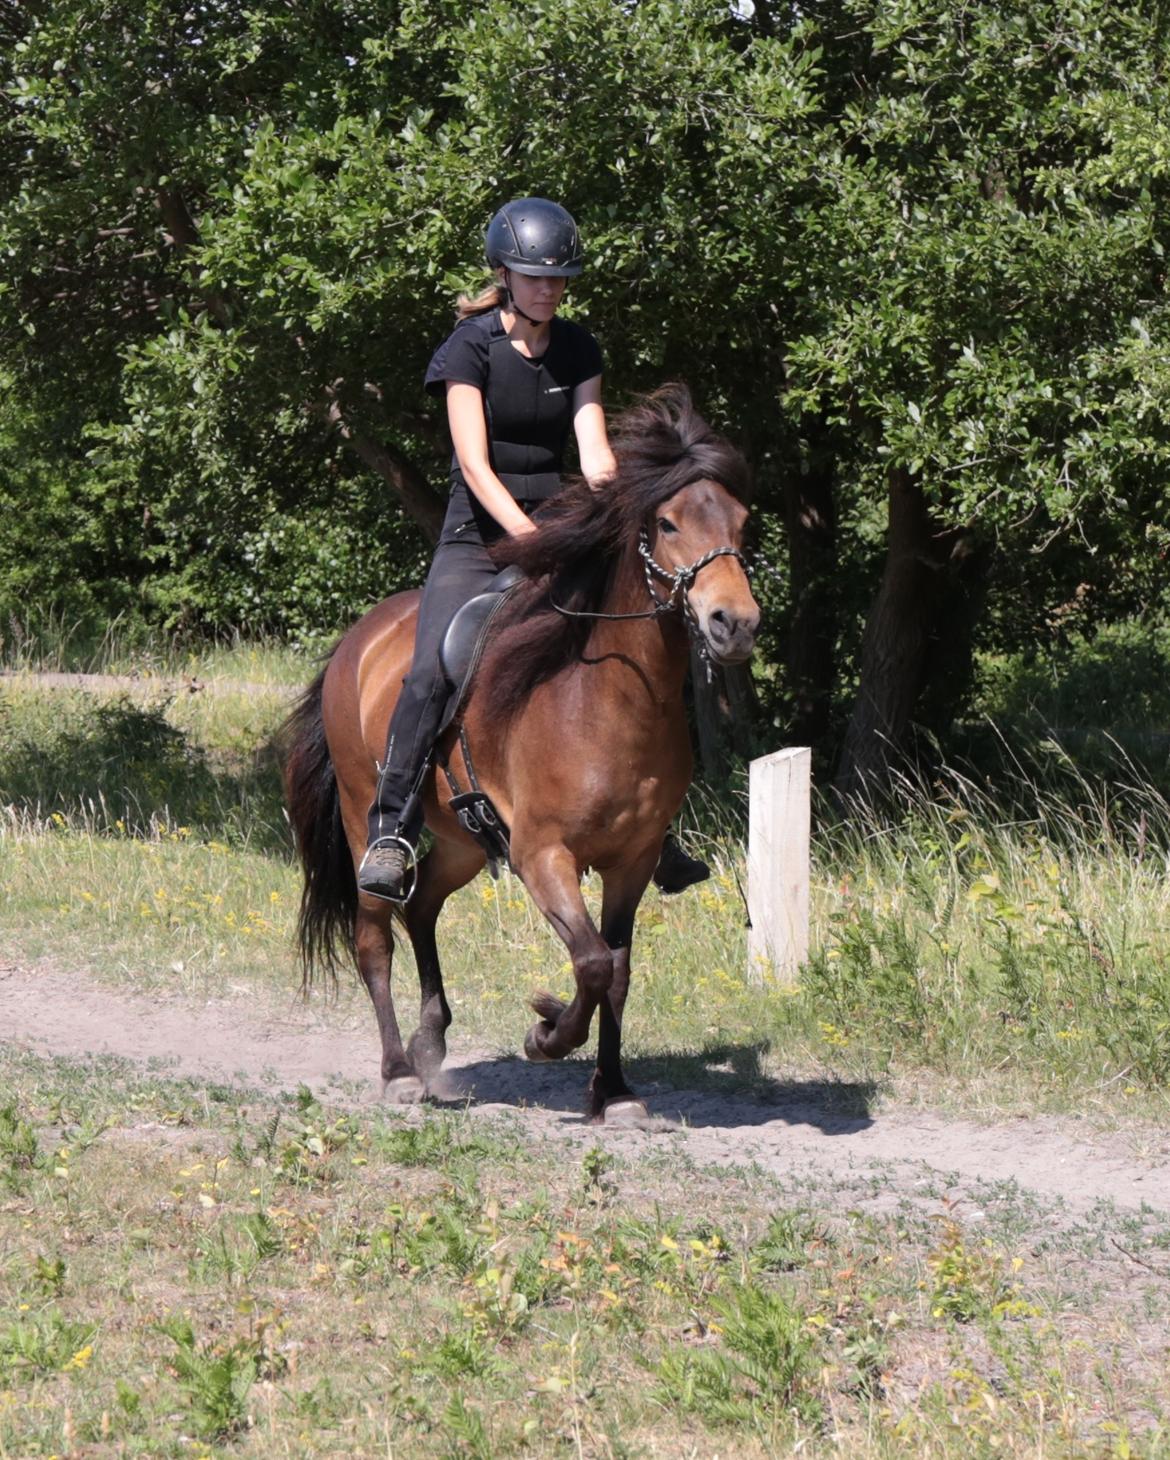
(204,1272)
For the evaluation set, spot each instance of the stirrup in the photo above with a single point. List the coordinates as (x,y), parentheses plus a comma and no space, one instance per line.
(409,872)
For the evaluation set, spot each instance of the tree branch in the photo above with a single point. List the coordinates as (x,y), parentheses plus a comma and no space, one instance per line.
(413,490)
(183,234)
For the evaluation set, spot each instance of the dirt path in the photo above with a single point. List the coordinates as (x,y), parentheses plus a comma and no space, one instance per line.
(333,1051)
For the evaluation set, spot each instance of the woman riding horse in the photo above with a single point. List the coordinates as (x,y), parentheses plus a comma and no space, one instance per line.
(516,378)
(574,729)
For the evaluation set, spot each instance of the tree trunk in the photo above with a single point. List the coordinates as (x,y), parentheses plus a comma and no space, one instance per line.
(810,515)
(409,485)
(924,564)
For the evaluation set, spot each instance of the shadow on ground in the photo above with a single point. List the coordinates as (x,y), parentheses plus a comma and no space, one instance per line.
(723,1087)
(127,770)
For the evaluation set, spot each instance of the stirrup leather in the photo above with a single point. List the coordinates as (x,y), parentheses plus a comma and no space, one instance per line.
(410,872)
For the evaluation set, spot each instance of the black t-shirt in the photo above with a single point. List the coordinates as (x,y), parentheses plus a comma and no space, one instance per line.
(528,405)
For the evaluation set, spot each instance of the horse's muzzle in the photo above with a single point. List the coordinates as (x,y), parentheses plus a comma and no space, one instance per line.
(731,637)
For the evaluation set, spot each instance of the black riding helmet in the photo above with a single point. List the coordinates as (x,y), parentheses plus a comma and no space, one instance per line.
(535,237)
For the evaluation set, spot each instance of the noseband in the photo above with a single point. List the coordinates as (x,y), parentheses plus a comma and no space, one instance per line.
(680,582)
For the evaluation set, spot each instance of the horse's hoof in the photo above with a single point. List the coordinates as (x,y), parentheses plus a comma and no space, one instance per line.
(547,1005)
(403,1090)
(626,1113)
(532,1049)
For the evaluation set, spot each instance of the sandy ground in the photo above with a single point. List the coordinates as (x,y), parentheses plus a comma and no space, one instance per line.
(48,1011)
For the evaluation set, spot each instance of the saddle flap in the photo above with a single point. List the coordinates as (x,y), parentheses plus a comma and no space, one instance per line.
(463,642)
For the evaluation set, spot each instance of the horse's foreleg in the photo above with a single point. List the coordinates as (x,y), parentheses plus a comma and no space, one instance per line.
(553,879)
(445,868)
(623,892)
(374,936)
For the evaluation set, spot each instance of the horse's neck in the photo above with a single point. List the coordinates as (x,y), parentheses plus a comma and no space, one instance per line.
(657,645)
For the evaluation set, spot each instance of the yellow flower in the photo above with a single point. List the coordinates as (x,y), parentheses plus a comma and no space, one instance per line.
(81,1358)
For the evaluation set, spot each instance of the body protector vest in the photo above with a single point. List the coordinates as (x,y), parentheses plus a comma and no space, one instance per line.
(528,409)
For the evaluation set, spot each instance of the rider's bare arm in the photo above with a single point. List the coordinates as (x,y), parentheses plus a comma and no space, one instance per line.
(597,462)
(469,436)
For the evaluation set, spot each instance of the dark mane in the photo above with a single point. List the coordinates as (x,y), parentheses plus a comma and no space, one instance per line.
(662,445)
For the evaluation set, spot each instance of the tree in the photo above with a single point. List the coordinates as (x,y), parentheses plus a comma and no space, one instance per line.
(909,254)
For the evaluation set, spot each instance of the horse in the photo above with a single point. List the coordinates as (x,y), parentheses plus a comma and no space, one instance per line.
(576,728)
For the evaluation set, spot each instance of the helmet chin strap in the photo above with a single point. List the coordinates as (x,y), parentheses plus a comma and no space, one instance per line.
(513,306)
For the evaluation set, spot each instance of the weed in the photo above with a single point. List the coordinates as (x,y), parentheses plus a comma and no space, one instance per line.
(765,1369)
(307,1153)
(233,1253)
(467,1429)
(970,1281)
(597,1171)
(48,1275)
(216,1378)
(19,1148)
(44,1342)
(462,1354)
(321,1406)
(788,1242)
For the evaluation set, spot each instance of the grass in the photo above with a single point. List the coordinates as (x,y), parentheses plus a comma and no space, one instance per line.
(53,643)
(994,964)
(193,1271)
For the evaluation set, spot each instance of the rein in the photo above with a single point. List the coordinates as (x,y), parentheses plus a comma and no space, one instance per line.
(680,581)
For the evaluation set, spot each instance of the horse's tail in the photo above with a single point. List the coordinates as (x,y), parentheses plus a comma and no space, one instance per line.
(325,928)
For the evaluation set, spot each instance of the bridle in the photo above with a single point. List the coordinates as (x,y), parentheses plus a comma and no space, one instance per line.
(680,582)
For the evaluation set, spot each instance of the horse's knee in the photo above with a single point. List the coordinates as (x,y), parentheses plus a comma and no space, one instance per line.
(594,973)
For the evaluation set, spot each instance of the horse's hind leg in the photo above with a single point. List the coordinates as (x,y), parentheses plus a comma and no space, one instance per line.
(374,936)
(445,868)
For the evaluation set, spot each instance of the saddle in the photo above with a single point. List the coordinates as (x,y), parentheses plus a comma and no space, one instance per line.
(462,645)
(460,653)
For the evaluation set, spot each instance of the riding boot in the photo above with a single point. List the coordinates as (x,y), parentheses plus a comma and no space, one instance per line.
(676,871)
(395,818)
(387,869)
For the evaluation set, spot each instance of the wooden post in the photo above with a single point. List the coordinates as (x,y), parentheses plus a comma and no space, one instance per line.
(778,863)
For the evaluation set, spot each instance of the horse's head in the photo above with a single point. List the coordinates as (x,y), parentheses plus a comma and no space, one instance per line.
(695,537)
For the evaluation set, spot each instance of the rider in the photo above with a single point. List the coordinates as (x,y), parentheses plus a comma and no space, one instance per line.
(515,377)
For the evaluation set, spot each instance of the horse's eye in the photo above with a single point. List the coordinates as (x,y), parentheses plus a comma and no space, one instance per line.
(666,526)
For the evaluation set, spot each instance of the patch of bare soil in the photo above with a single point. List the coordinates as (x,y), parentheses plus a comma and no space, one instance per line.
(797,1128)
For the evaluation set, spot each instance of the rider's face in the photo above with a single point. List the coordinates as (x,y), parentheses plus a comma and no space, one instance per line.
(537,297)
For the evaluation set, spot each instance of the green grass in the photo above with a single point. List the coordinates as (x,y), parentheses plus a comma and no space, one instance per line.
(212,1272)
(52,643)
(198,1271)
(997,965)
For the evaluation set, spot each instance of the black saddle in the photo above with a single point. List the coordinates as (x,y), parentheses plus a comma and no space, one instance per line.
(459,655)
(462,645)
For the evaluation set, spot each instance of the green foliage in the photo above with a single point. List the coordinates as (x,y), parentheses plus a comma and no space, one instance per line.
(231,1253)
(19,1148)
(215,1379)
(467,1429)
(972,1280)
(128,769)
(927,236)
(43,1342)
(789,1241)
(764,1370)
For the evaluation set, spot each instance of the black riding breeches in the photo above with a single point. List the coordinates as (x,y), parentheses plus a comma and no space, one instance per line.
(458,572)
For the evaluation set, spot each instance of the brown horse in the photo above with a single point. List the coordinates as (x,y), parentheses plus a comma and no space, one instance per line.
(576,728)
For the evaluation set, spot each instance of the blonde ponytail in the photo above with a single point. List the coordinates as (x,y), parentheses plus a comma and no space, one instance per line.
(491,297)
